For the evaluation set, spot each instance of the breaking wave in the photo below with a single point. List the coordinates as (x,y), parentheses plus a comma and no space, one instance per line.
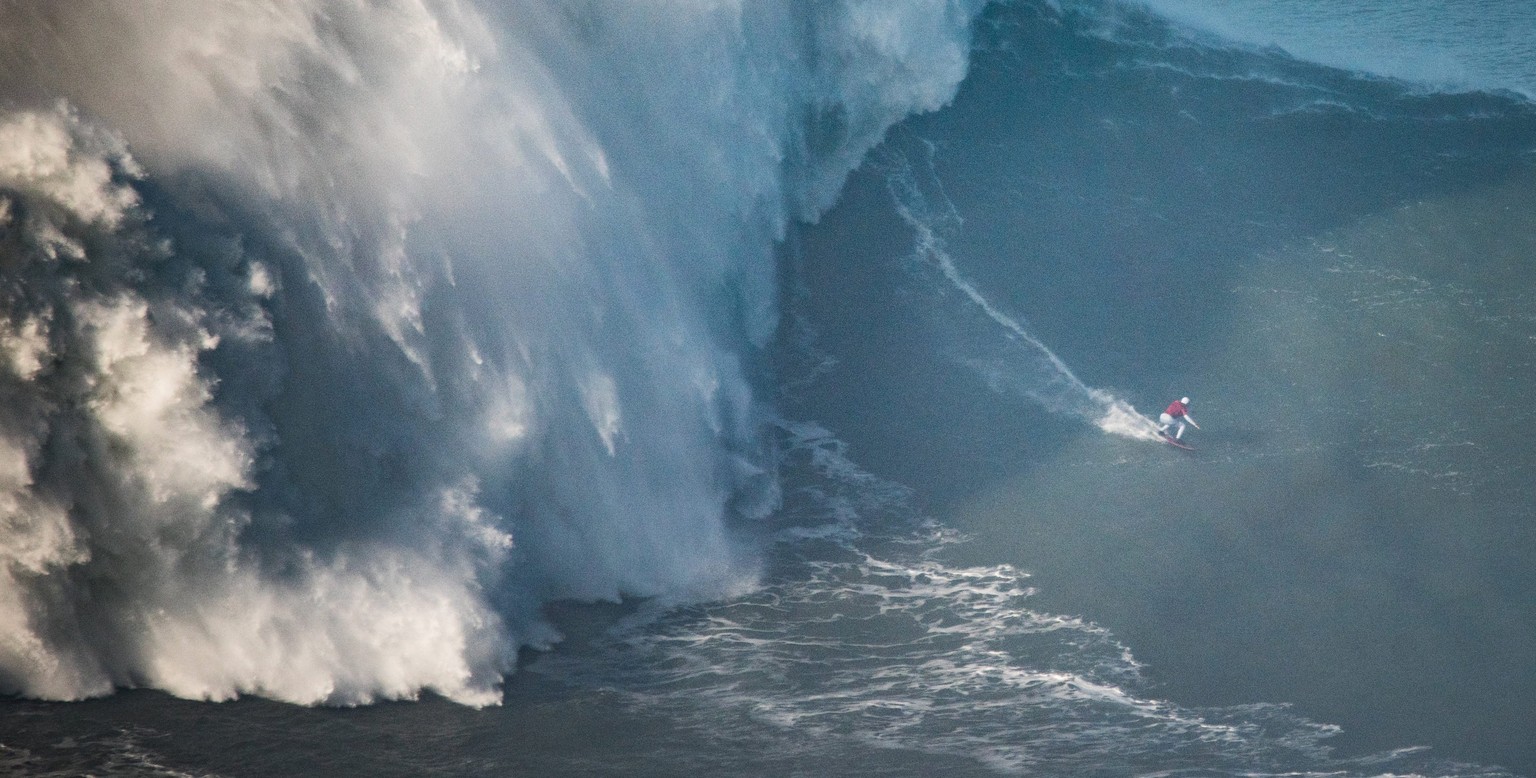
(338,337)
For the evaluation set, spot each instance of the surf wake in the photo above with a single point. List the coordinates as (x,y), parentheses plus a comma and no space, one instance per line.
(1006,354)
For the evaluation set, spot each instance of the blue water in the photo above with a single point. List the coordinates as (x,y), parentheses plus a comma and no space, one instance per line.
(470,390)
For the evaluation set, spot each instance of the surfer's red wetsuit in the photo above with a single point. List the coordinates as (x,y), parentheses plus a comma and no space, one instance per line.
(1176,409)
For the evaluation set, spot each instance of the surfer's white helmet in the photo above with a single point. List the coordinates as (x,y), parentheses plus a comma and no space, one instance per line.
(1184,400)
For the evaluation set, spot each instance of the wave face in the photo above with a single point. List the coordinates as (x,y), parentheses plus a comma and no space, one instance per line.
(1014,361)
(337,337)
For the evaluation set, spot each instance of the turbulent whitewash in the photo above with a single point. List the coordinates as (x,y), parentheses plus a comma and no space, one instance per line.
(339,336)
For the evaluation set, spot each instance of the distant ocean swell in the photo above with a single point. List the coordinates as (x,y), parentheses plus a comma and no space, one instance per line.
(337,337)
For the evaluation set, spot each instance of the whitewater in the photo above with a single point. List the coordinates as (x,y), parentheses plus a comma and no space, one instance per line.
(339,336)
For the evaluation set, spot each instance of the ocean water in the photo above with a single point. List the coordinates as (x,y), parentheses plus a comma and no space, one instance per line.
(743,388)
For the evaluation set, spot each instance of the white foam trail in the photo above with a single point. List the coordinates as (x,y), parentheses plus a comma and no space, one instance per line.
(1118,416)
(307,310)
(1028,367)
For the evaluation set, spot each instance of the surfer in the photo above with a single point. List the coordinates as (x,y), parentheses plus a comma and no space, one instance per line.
(1177,413)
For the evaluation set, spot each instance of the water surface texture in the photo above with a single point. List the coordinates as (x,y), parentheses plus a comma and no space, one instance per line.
(450,388)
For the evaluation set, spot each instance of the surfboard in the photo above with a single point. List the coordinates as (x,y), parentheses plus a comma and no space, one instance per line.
(1172,441)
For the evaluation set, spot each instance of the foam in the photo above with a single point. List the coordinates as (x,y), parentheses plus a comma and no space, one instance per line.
(873,638)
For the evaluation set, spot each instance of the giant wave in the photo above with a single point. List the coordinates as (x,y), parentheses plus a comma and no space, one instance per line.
(338,337)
